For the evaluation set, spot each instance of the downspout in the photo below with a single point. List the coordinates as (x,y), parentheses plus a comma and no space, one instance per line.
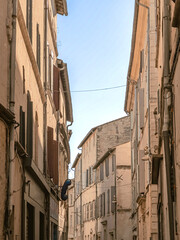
(115,215)
(81,199)
(45,116)
(148,76)
(167,94)
(11,107)
(45,85)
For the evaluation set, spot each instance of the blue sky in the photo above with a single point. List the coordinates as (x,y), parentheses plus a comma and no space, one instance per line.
(94,40)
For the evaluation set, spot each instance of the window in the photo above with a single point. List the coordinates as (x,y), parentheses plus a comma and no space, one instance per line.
(87,206)
(87,171)
(29,17)
(103,204)
(29,131)
(84,180)
(97,207)
(38,49)
(113,198)
(94,209)
(30,223)
(108,201)
(22,128)
(41,226)
(84,212)
(77,216)
(90,175)
(51,71)
(36,138)
(102,172)
(107,167)
(91,210)
(113,162)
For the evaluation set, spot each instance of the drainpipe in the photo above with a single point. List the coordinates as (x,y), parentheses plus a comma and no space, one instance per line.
(45,85)
(11,107)
(148,76)
(81,197)
(167,102)
(115,215)
(45,115)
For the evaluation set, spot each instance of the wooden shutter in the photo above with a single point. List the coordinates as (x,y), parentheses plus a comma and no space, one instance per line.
(108,201)
(38,49)
(103,204)
(84,180)
(56,87)
(29,18)
(89,175)
(113,162)
(55,162)
(87,178)
(113,198)
(141,172)
(107,167)
(29,127)
(101,172)
(22,128)
(141,108)
(97,208)
(141,60)
(52,156)
(49,148)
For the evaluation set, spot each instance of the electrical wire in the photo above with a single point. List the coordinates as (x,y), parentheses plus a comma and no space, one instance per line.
(97,89)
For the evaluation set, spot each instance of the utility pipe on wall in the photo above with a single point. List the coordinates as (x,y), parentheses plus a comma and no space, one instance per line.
(11,107)
(166,88)
(148,76)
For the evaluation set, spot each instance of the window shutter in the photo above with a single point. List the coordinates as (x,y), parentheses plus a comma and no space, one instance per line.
(89,175)
(56,87)
(108,201)
(22,128)
(103,204)
(29,18)
(141,60)
(55,162)
(84,180)
(51,66)
(87,211)
(87,178)
(94,209)
(100,202)
(107,167)
(52,149)
(113,198)
(38,49)
(113,162)
(101,172)
(141,108)
(97,208)
(141,172)
(92,175)
(29,127)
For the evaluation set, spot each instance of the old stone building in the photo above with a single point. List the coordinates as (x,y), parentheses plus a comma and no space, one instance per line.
(151,100)
(92,219)
(35,108)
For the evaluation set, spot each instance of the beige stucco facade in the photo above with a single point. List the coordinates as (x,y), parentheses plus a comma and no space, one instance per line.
(90,190)
(35,109)
(151,99)
(114,193)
